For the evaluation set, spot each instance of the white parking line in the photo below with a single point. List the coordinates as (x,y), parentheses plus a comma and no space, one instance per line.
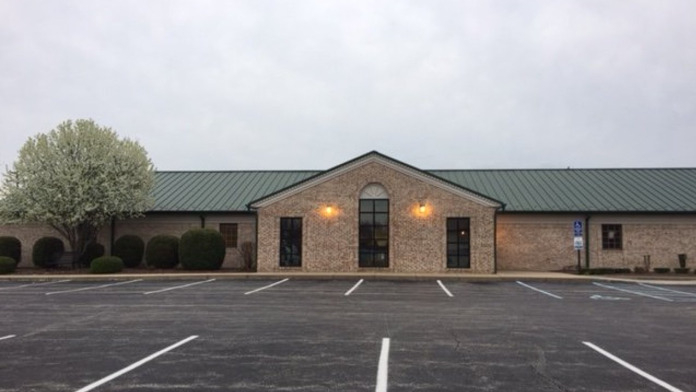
(7,337)
(539,290)
(666,289)
(445,289)
(178,287)
(353,288)
(266,287)
(632,292)
(93,287)
(35,284)
(632,368)
(383,367)
(135,365)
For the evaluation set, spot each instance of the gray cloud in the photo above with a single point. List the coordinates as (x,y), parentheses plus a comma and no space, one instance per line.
(310,84)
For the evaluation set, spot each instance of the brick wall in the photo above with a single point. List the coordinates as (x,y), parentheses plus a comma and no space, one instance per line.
(417,241)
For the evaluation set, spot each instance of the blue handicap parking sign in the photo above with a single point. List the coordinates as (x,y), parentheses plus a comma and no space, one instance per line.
(577,228)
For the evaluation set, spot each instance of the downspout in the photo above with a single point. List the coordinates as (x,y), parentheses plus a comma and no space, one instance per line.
(495,237)
(202,221)
(587,242)
(112,237)
(256,235)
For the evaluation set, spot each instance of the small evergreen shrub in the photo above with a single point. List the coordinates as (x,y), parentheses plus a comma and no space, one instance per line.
(106,265)
(605,271)
(202,249)
(47,251)
(7,265)
(11,247)
(682,270)
(92,251)
(162,251)
(130,249)
(661,270)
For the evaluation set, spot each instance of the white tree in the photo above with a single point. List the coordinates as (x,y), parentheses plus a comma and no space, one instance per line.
(77,178)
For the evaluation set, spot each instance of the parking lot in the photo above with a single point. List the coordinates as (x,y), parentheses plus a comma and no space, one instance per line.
(346,335)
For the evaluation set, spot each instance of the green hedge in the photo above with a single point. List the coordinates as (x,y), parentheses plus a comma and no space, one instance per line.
(130,248)
(106,265)
(47,251)
(162,251)
(202,249)
(93,251)
(7,265)
(605,271)
(11,247)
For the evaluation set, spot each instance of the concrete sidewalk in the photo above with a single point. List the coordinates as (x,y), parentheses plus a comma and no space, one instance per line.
(499,277)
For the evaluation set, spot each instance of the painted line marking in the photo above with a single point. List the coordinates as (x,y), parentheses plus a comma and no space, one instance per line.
(35,284)
(178,287)
(632,292)
(135,365)
(632,368)
(267,287)
(94,287)
(666,289)
(7,337)
(354,287)
(539,290)
(383,367)
(444,288)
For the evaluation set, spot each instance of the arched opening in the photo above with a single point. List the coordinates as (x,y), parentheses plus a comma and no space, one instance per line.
(374,227)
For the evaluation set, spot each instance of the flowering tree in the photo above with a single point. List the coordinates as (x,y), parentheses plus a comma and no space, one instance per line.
(77,178)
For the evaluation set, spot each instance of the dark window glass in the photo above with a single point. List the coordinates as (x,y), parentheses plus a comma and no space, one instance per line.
(458,244)
(290,242)
(374,233)
(229,234)
(611,237)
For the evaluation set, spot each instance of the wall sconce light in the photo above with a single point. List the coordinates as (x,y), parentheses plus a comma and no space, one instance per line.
(328,210)
(421,208)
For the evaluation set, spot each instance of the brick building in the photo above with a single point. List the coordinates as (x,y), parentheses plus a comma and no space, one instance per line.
(377,213)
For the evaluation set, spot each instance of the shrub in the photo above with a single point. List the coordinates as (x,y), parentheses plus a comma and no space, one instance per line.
(605,271)
(106,265)
(682,270)
(92,251)
(661,270)
(130,249)
(11,247)
(47,251)
(7,265)
(162,251)
(202,249)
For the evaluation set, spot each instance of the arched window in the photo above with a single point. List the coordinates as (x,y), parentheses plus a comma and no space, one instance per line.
(374,227)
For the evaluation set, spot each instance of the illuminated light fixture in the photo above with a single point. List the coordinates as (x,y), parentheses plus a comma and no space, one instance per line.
(421,208)
(329,210)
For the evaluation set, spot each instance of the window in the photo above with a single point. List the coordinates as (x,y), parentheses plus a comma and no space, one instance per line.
(458,244)
(374,233)
(229,233)
(611,237)
(290,242)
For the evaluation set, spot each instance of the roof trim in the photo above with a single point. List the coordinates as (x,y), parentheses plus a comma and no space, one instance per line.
(370,157)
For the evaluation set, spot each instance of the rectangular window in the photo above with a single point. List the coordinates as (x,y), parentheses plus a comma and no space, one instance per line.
(458,244)
(374,233)
(229,233)
(290,242)
(611,237)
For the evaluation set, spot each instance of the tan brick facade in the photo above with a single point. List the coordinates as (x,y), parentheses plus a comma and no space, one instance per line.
(544,242)
(417,240)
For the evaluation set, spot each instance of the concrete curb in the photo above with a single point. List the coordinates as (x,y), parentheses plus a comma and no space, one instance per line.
(465,277)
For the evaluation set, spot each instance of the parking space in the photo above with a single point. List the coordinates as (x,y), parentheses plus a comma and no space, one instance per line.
(293,334)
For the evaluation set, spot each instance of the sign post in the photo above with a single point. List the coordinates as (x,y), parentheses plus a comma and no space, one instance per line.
(577,239)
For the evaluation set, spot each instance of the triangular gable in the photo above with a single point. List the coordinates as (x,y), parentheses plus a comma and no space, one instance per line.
(368,158)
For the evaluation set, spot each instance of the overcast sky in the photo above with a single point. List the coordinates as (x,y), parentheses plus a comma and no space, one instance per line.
(233,85)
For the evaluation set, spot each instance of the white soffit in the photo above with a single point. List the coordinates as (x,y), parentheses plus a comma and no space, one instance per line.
(377,158)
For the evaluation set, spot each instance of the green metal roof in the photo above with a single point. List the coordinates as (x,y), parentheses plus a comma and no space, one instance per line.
(522,190)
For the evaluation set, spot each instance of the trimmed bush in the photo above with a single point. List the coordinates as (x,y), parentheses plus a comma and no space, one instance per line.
(7,265)
(661,270)
(202,249)
(106,265)
(162,251)
(682,270)
(11,247)
(130,248)
(93,251)
(605,271)
(47,251)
